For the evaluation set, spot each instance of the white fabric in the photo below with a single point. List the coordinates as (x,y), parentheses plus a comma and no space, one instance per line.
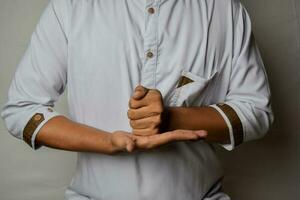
(97,49)
(230,129)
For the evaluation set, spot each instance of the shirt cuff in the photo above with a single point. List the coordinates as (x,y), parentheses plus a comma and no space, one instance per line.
(233,122)
(31,129)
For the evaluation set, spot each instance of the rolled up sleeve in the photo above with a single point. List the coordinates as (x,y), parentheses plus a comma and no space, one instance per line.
(247,106)
(39,80)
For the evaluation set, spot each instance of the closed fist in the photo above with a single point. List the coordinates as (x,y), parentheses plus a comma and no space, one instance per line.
(145,111)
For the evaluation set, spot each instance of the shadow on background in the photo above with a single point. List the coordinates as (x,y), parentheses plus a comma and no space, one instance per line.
(270,168)
(267,169)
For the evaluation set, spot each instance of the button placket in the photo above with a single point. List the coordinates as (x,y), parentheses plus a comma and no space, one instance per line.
(148,78)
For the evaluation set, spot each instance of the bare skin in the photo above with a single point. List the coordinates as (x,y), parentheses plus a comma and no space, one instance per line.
(145,111)
(63,133)
(153,126)
(148,117)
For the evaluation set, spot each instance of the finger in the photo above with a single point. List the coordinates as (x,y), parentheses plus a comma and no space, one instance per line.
(143,112)
(181,135)
(130,146)
(164,138)
(145,132)
(151,98)
(140,92)
(143,142)
(144,123)
(149,142)
(136,104)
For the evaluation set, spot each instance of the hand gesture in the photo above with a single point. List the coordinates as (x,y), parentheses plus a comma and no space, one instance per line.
(153,141)
(145,111)
(146,119)
(121,141)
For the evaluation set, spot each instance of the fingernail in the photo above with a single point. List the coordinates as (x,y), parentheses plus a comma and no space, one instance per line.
(201,133)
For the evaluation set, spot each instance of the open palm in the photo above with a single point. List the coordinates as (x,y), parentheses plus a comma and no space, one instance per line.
(124,141)
(153,141)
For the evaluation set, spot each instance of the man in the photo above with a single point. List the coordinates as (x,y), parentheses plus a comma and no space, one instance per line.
(151,85)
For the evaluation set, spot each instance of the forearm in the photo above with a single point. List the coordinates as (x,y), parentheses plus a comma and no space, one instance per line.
(197,118)
(63,133)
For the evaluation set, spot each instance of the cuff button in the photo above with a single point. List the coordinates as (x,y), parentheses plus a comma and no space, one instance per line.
(37,117)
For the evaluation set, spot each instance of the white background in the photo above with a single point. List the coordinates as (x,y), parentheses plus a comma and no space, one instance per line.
(268,169)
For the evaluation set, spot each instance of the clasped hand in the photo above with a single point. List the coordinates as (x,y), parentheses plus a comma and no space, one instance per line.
(146,117)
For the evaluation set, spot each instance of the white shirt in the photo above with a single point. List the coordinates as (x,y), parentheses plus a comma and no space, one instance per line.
(196,52)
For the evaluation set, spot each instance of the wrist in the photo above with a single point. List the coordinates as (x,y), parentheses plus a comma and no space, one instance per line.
(164,127)
(112,146)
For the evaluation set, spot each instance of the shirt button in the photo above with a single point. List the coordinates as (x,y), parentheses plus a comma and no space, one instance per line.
(151,10)
(150,54)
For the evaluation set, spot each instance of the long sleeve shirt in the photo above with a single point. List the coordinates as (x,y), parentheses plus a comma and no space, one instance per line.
(196,52)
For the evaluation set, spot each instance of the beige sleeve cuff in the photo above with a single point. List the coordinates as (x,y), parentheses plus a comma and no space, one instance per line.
(35,123)
(234,124)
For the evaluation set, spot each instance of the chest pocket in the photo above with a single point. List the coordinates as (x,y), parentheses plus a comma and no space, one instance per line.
(192,89)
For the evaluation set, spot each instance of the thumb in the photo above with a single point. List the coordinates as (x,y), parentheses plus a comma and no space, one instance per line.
(140,92)
(130,145)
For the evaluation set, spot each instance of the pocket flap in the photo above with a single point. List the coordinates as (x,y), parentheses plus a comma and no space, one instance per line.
(191,87)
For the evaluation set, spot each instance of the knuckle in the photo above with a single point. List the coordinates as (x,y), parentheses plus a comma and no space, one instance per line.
(132,123)
(131,114)
(130,103)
